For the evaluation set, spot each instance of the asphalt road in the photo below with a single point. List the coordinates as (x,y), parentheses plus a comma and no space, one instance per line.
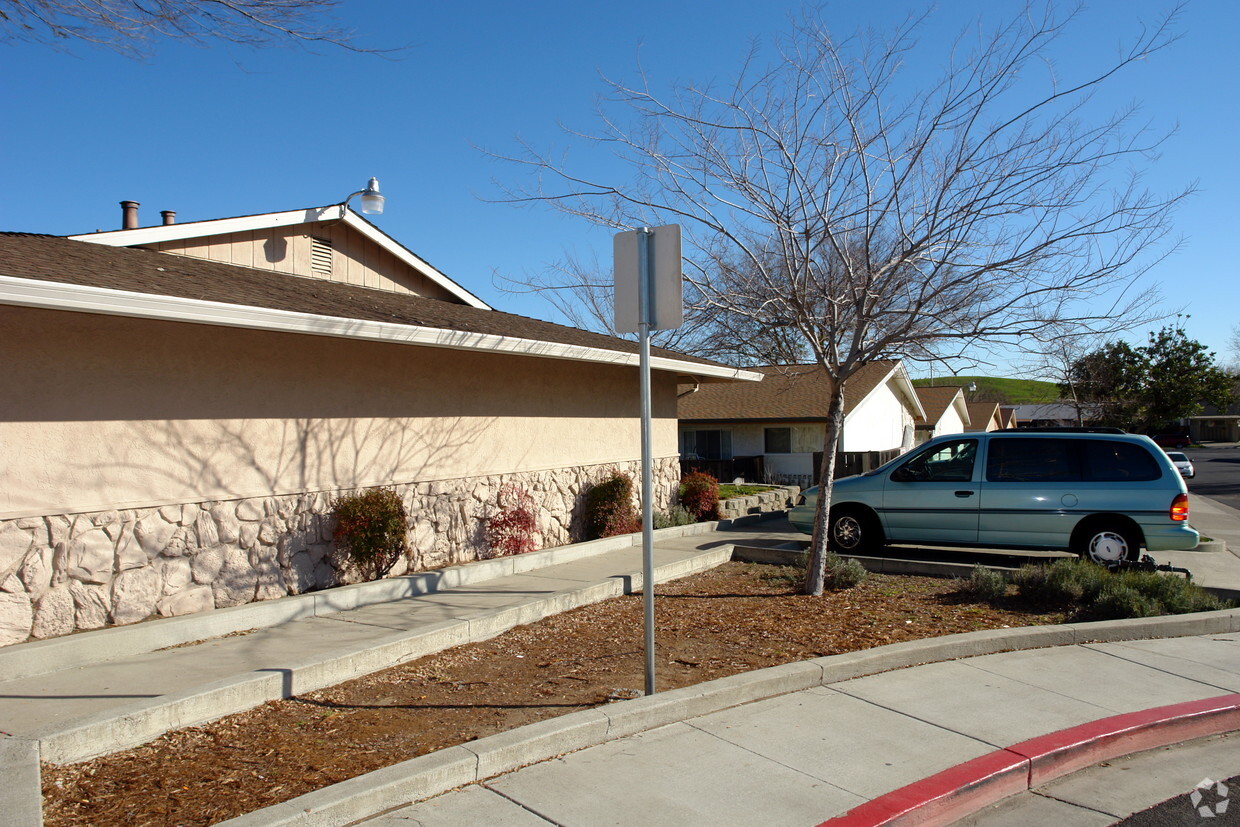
(1218,473)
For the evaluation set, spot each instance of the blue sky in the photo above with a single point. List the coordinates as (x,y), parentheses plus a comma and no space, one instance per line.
(227,130)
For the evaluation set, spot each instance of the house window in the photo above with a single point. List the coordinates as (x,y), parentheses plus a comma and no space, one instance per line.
(779,440)
(707,445)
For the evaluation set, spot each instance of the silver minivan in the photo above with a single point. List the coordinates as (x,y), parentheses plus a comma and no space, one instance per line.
(1101,495)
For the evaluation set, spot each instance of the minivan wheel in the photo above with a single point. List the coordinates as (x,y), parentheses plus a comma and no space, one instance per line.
(853,532)
(1109,543)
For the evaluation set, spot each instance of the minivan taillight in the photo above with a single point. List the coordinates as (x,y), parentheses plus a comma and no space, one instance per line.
(1179,508)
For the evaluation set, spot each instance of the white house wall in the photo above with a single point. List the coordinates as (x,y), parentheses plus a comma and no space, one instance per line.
(879,423)
(949,423)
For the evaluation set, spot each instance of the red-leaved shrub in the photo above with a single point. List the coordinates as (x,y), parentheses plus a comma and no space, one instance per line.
(699,494)
(609,507)
(514,530)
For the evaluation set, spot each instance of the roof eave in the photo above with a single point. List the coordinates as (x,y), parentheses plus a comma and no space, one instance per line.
(51,295)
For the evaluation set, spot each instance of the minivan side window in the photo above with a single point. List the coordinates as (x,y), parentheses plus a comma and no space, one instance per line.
(1025,459)
(1107,461)
(949,462)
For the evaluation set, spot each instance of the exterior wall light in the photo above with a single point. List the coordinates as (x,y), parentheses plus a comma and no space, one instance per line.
(372,201)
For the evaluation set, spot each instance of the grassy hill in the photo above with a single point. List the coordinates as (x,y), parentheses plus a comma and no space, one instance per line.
(994,389)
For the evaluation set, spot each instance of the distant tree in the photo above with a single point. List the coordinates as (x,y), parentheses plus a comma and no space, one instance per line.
(1150,387)
(130,27)
(870,217)
(1183,375)
(1110,383)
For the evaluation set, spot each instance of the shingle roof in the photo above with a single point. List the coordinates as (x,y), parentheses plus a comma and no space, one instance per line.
(796,392)
(935,401)
(982,414)
(56,259)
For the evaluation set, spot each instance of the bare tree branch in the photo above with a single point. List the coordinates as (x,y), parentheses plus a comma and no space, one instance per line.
(825,195)
(131,27)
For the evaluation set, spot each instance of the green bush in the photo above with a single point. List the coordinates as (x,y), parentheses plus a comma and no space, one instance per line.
(676,515)
(699,494)
(1099,594)
(609,507)
(983,585)
(1066,581)
(514,529)
(1119,600)
(842,573)
(371,526)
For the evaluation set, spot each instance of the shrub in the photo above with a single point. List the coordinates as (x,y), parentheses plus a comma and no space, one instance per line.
(677,515)
(699,494)
(983,585)
(843,574)
(1099,594)
(1119,600)
(370,528)
(514,529)
(609,508)
(1066,581)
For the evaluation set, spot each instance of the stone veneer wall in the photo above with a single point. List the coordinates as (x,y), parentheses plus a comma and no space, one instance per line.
(72,572)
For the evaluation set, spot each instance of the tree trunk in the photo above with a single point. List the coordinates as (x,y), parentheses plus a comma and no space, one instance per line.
(816,567)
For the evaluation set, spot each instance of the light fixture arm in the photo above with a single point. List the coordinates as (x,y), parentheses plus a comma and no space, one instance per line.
(372,201)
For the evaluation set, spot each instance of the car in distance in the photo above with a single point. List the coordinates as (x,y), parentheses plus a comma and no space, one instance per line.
(1182,464)
(1103,496)
(1172,441)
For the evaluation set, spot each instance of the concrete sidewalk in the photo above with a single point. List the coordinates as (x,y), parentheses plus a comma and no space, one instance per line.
(807,756)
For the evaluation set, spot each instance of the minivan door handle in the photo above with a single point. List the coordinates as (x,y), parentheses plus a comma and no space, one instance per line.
(964,493)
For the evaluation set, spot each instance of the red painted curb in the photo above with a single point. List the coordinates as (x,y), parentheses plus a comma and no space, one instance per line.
(965,788)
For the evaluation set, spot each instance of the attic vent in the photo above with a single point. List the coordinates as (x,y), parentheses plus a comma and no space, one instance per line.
(321,255)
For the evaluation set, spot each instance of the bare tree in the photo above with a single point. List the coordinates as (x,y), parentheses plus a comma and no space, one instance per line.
(130,26)
(877,219)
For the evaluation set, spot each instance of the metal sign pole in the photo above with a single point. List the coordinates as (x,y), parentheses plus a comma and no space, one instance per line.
(644,320)
(648,296)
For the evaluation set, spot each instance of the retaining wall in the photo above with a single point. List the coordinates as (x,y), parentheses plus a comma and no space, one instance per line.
(63,573)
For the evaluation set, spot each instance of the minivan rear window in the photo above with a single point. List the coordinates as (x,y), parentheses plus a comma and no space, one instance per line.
(1107,461)
(1016,459)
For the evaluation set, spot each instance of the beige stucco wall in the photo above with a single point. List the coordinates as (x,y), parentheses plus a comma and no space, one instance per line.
(355,258)
(106,412)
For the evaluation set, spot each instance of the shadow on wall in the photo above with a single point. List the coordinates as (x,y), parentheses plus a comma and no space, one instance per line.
(240,458)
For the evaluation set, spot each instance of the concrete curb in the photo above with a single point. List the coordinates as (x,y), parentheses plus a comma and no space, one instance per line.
(548,739)
(21,792)
(136,723)
(39,657)
(964,789)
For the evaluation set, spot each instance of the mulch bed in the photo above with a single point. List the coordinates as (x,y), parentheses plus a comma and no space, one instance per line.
(732,619)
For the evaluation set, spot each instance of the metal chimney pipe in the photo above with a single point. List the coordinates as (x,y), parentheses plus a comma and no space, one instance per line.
(170,216)
(129,215)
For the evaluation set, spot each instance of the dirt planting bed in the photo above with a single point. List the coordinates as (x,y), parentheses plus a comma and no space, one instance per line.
(732,619)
